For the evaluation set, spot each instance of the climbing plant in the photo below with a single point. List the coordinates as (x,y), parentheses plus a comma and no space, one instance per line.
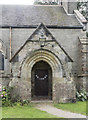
(81,95)
(82,6)
(5,95)
(46,2)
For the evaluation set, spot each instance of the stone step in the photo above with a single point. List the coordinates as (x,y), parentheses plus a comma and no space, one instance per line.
(41,101)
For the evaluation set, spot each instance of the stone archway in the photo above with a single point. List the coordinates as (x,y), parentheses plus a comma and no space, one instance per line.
(49,58)
(44,55)
(41,81)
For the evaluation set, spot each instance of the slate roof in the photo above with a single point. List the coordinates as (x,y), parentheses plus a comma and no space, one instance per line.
(22,15)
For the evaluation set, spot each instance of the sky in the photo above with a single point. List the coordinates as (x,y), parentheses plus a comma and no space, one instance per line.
(23,2)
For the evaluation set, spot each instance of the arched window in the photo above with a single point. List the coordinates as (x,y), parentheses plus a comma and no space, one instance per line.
(1,55)
(1,61)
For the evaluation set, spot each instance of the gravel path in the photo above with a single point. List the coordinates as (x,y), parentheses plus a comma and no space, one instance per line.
(58,112)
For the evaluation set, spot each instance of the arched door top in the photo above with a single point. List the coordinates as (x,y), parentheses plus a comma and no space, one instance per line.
(42,55)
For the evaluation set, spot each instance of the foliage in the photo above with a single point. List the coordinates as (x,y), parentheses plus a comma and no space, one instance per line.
(21,103)
(82,7)
(6,98)
(38,2)
(5,95)
(81,95)
(25,102)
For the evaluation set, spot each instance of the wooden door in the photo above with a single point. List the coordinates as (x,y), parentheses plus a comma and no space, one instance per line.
(41,82)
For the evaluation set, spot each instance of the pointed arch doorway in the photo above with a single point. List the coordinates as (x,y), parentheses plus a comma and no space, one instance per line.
(41,82)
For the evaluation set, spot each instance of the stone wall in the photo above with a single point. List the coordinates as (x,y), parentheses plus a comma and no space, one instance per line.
(64,91)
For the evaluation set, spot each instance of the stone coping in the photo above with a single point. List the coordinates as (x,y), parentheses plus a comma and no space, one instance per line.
(80,16)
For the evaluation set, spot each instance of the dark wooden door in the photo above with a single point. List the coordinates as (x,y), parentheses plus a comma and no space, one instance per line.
(41,82)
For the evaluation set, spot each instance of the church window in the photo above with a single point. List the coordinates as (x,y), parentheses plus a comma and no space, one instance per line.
(1,61)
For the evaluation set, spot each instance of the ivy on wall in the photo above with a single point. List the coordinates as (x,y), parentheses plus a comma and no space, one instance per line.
(83,7)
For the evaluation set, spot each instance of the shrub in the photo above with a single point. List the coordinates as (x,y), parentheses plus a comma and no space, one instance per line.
(81,95)
(5,95)
(24,102)
(21,103)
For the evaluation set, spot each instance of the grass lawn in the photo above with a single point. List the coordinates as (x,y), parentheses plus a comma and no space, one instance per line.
(79,107)
(24,112)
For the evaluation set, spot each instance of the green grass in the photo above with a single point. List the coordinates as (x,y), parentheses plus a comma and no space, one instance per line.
(31,112)
(79,107)
(24,112)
